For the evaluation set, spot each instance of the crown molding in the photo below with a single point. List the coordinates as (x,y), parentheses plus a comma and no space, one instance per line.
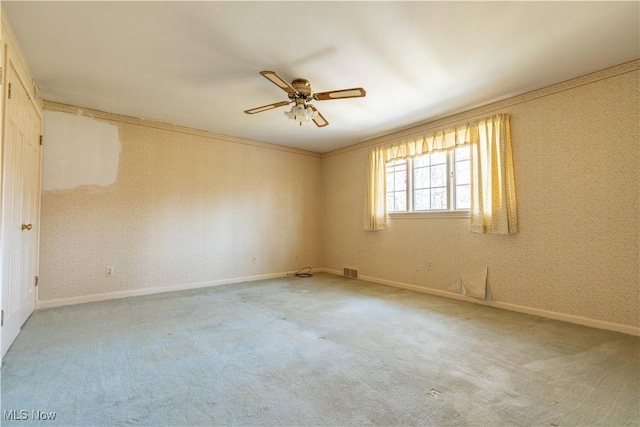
(119,118)
(487,109)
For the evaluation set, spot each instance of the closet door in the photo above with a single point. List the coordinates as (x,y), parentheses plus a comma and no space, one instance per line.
(20,207)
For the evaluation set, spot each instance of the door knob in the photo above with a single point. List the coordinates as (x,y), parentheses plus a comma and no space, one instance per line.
(26,227)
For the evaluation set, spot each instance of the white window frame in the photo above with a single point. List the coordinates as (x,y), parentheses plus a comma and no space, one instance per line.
(449,212)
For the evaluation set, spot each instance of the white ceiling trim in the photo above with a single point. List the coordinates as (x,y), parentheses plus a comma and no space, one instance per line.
(119,118)
(441,123)
(475,113)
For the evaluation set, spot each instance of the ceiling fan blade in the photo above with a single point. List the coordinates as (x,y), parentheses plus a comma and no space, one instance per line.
(267,107)
(318,118)
(277,80)
(356,92)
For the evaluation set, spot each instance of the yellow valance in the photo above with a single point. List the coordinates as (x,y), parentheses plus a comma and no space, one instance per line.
(493,196)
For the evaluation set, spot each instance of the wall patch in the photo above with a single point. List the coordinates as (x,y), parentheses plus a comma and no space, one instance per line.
(79,151)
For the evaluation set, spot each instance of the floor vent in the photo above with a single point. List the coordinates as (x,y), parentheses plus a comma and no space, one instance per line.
(351,272)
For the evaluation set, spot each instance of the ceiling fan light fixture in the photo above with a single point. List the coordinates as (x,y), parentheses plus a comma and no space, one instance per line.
(300,113)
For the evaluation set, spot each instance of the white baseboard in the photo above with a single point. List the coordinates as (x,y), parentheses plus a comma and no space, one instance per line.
(148,291)
(584,321)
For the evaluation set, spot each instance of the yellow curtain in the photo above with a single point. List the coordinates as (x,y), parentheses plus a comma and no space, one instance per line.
(375,209)
(493,190)
(375,215)
(493,197)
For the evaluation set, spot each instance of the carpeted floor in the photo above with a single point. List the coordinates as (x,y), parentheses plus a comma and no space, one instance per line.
(324,350)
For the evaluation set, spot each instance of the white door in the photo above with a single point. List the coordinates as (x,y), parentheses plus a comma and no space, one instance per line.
(20,208)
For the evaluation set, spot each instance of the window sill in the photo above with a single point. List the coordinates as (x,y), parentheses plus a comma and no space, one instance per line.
(429,215)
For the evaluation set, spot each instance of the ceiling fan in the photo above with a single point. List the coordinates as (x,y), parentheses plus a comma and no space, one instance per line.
(300,93)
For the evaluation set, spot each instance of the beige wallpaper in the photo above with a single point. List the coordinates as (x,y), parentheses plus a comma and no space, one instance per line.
(576,151)
(190,207)
(187,207)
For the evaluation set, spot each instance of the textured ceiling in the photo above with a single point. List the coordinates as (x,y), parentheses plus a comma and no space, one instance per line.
(196,64)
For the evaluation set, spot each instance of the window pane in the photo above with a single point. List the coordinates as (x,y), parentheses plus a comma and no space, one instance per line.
(439,176)
(390,204)
(463,199)
(462,153)
(400,179)
(462,173)
(421,178)
(396,186)
(390,182)
(421,200)
(400,201)
(439,158)
(421,161)
(438,199)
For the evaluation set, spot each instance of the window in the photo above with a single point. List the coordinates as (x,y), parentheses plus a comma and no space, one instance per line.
(415,186)
(435,182)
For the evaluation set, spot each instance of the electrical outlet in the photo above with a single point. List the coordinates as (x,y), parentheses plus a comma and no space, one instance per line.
(429,265)
(108,271)
(254,259)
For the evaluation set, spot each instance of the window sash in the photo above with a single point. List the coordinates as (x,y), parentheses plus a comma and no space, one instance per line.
(412,191)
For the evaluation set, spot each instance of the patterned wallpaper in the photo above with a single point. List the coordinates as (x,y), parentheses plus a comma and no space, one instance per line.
(576,154)
(187,207)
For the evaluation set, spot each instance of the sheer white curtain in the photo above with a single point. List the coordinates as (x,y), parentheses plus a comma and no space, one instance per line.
(493,189)
(493,204)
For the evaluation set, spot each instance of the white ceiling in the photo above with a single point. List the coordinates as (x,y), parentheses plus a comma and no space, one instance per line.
(196,64)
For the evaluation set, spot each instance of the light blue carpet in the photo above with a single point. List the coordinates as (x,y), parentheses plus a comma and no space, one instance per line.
(317,351)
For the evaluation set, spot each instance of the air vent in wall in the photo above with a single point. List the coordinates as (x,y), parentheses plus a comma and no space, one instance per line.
(351,272)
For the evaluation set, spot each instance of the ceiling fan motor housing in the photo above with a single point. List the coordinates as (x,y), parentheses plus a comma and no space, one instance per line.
(304,89)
